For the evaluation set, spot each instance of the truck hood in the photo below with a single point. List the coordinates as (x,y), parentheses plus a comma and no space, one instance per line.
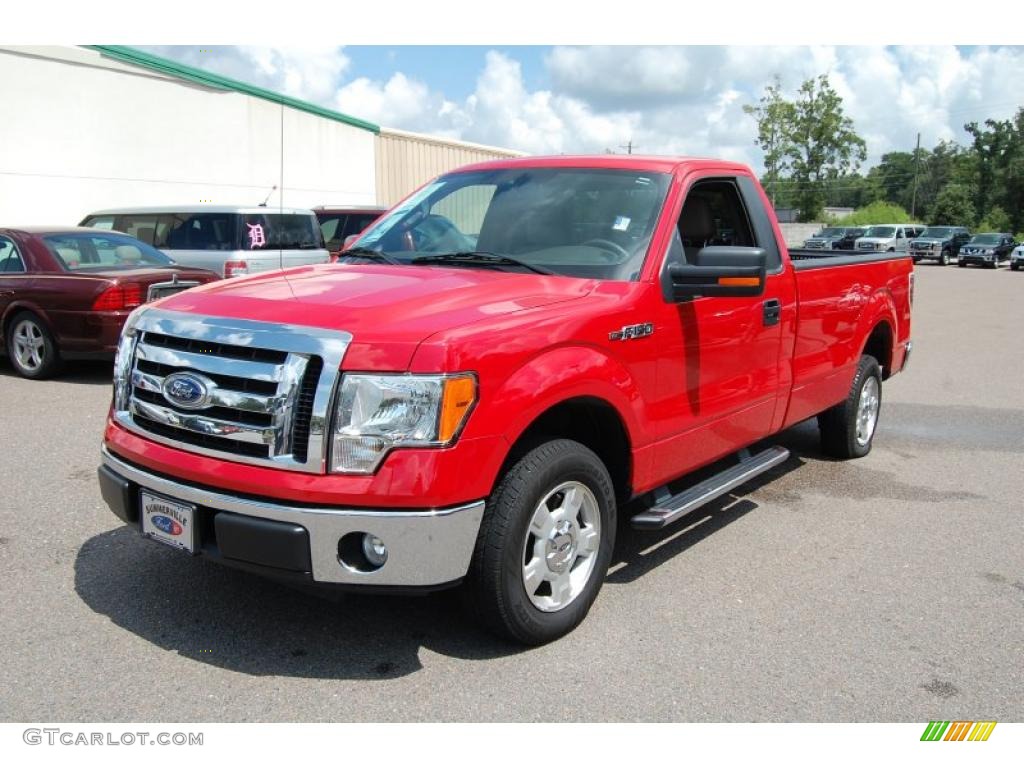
(379,303)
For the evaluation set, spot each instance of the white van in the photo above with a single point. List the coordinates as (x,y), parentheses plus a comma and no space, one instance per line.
(229,240)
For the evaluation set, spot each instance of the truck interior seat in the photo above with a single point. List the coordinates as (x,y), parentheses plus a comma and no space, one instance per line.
(696,226)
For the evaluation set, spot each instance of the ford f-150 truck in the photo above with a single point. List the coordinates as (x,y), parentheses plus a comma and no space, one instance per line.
(487,376)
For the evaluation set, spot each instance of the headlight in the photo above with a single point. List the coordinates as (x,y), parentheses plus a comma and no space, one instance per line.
(123,361)
(376,413)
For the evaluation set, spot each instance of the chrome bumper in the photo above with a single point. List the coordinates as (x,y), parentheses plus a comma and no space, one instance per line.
(425,547)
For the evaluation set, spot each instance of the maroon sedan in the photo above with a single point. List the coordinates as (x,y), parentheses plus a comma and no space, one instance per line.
(65,292)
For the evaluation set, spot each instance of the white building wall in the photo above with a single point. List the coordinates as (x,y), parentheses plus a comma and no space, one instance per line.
(81,132)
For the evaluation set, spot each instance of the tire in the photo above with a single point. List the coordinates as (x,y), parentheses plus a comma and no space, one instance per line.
(31,347)
(961,263)
(840,437)
(520,527)
(944,259)
(1014,267)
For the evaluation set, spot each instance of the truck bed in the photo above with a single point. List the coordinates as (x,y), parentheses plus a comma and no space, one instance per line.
(807,258)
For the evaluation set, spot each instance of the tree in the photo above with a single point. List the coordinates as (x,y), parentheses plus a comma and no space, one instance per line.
(877,212)
(773,114)
(999,151)
(821,143)
(894,176)
(996,220)
(954,206)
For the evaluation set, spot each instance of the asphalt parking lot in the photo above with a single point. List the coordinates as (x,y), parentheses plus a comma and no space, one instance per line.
(885,589)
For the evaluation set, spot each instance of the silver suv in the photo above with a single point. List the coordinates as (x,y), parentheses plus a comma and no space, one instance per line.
(229,240)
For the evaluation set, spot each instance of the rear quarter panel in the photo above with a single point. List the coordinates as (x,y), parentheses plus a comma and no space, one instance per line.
(838,308)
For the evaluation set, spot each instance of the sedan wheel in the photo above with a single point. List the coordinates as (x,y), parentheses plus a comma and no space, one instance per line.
(31,348)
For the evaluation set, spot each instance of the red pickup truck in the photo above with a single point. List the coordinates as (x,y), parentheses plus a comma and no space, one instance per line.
(501,361)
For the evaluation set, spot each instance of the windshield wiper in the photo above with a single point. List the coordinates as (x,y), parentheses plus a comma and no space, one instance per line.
(368,254)
(478,257)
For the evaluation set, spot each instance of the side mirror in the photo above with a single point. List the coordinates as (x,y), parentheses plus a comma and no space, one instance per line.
(720,270)
(348,242)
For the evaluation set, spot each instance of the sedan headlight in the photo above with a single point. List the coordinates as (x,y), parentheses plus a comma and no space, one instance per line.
(376,413)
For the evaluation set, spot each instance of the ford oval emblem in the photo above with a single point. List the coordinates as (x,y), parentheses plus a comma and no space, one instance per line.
(167,525)
(187,390)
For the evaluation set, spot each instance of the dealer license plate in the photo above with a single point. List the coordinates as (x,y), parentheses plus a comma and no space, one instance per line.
(167,521)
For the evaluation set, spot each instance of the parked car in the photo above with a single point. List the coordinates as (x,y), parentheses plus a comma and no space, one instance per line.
(229,240)
(340,222)
(478,401)
(940,243)
(887,237)
(65,292)
(988,249)
(834,239)
(1017,258)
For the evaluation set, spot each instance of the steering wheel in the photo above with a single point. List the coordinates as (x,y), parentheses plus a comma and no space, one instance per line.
(608,245)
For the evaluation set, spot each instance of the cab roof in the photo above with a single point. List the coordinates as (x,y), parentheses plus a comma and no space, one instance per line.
(651,163)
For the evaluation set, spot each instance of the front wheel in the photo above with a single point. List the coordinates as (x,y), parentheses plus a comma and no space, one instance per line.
(544,545)
(1014,266)
(944,259)
(847,429)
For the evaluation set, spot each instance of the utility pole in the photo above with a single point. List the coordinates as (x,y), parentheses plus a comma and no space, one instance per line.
(628,146)
(917,165)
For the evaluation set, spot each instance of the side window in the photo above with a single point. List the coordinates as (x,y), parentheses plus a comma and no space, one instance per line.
(10,259)
(333,229)
(357,222)
(200,232)
(714,214)
(99,222)
(140,226)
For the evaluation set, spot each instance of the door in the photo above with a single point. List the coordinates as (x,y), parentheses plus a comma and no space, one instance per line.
(14,278)
(720,376)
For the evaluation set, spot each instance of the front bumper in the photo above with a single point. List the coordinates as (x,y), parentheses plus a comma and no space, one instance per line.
(426,548)
(977,258)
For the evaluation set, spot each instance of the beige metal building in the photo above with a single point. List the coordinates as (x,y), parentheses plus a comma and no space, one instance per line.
(110,126)
(407,160)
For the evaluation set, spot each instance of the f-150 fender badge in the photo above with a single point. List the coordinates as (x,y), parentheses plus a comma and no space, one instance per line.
(628,332)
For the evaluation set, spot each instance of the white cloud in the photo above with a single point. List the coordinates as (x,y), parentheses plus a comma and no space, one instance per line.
(311,72)
(667,100)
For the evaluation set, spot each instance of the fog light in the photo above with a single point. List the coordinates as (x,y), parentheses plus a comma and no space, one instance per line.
(374,550)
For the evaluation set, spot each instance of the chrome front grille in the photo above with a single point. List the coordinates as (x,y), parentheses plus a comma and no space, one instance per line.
(263,391)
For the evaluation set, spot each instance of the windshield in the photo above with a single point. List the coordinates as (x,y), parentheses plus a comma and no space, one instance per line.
(880,232)
(80,252)
(570,221)
(985,239)
(831,232)
(938,232)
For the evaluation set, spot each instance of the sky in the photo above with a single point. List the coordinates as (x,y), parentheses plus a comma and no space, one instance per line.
(684,100)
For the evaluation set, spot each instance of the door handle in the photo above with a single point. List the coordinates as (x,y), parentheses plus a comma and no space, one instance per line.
(772,311)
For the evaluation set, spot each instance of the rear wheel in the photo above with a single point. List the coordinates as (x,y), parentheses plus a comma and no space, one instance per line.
(31,347)
(847,429)
(544,544)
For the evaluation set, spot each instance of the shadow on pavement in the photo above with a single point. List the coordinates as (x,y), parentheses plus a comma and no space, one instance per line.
(73,372)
